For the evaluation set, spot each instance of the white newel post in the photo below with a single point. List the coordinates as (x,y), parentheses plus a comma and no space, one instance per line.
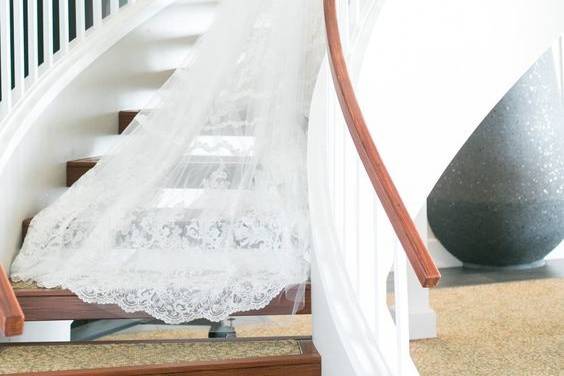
(422,317)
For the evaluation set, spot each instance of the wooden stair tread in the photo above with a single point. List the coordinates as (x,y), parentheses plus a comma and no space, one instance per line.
(41,304)
(78,167)
(274,356)
(125,118)
(90,161)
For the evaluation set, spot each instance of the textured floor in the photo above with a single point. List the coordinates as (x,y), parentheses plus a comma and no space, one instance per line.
(264,326)
(20,359)
(454,277)
(497,329)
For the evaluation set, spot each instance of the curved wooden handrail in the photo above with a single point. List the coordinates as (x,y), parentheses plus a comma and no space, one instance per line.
(402,223)
(11,314)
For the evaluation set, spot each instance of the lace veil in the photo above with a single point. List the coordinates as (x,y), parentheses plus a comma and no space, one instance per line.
(201,210)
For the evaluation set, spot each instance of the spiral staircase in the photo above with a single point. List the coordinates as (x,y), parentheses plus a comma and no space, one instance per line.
(370,170)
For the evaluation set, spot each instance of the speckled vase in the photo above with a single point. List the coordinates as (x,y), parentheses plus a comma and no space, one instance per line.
(500,203)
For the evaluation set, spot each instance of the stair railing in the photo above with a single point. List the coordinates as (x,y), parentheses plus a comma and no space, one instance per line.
(372,237)
(403,225)
(45,44)
(11,314)
(35,35)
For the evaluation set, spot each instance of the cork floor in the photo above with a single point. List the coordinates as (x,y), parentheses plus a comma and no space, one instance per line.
(509,323)
(44,358)
(509,328)
(500,329)
(247,327)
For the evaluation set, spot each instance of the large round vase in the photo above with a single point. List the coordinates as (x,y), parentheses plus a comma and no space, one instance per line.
(501,200)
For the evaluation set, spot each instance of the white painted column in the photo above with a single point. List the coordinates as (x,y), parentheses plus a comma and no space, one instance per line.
(80,20)
(97,12)
(64,26)
(19,66)
(114,7)
(32,25)
(47,34)
(6,67)
(422,317)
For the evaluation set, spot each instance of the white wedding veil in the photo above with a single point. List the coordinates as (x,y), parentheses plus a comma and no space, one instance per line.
(201,210)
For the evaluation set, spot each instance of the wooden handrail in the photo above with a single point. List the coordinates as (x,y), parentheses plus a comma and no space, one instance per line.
(416,251)
(11,314)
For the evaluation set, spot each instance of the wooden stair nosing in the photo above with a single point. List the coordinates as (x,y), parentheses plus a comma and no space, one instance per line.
(308,363)
(125,118)
(59,304)
(11,314)
(79,167)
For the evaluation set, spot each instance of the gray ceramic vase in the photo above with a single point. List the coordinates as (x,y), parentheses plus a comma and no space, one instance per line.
(500,202)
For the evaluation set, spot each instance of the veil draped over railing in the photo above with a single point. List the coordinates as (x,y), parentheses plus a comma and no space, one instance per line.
(201,211)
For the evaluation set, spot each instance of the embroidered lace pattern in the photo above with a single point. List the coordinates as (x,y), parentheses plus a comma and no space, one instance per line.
(201,210)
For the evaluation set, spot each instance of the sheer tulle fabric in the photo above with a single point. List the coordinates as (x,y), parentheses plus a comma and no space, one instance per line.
(201,209)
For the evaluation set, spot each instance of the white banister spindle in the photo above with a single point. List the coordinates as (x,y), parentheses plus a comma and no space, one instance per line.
(47,33)
(114,7)
(561,65)
(97,12)
(344,22)
(64,25)
(80,19)
(19,71)
(32,49)
(21,42)
(6,61)
(401,309)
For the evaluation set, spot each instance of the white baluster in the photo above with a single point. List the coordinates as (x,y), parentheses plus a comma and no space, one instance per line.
(32,24)
(561,58)
(64,25)
(6,61)
(19,66)
(80,19)
(350,181)
(339,175)
(47,33)
(401,309)
(368,252)
(330,136)
(97,12)
(114,7)
(344,25)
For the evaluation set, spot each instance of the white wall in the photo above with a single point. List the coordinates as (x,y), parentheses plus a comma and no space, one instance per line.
(82,121)
(445,259)
(436,69)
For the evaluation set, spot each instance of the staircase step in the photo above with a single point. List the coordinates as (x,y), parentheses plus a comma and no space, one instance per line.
(79,167)
(125,119)
(239,357)
(39,304)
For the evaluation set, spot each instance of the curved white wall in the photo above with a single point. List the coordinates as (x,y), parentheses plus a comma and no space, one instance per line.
(82,120)
(433,72)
